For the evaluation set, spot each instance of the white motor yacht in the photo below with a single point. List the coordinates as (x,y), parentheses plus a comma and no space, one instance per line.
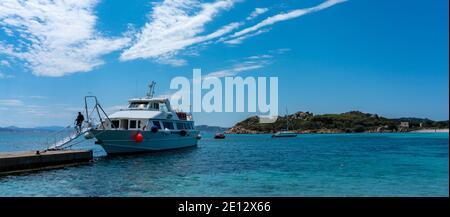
(147,124)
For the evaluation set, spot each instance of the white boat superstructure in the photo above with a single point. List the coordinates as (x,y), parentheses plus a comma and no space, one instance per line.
(147,124)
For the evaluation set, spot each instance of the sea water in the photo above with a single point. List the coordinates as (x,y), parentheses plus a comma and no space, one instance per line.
(406,164)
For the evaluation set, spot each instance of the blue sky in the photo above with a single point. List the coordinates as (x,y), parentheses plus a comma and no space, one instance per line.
(385,57)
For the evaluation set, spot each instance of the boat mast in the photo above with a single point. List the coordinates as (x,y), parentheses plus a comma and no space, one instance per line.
(151,90)
(287,121)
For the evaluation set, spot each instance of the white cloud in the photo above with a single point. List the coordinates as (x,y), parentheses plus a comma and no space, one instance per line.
(55,38)
(10,102)
(280,51)
(37,115)
(241,67)
(257,12)
(253,30)
(241,39)
(37,97)
(58,37)
(175,25)
(257,57)
(170,60)
(248,63)
(114,108)
(8,31)
(5,76)
(4,63)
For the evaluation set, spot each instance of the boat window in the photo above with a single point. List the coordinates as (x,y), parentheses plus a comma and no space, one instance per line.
(132,124)
(124,124)
(153,106)
(191,126)
(139,124)
(168,125)
(115,124)
(138,105)
(180,126)
(157,124)
(163,107)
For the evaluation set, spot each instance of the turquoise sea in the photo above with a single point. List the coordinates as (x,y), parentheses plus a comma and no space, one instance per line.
(407,164)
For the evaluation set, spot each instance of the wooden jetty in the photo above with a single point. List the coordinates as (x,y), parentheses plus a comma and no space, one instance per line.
(14,162)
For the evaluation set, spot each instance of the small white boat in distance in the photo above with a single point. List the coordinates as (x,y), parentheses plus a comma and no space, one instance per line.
(219,136)
(285,133)
(147,124)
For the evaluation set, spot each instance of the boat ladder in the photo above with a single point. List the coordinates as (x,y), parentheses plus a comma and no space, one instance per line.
(58,144)
(59,140)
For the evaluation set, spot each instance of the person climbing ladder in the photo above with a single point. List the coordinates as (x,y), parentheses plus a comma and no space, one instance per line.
(79,121)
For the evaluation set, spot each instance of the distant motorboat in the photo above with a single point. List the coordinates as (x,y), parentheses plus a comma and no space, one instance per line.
(199,137)
(219,136)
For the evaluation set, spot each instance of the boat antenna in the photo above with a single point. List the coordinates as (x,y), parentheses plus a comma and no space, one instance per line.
(151,90)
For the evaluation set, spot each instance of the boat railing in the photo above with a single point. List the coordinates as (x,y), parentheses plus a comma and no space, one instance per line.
(52,137)
(62,136)
(60,139)
(99,110)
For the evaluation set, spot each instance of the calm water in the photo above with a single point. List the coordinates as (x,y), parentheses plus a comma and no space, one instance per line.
(413,164)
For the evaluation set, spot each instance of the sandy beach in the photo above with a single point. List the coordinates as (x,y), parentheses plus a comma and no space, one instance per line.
(431,131)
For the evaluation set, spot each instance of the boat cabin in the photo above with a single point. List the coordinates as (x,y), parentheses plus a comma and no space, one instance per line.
(145,113)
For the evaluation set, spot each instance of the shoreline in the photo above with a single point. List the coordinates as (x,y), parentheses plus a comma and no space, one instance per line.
(431,131)
(368,132)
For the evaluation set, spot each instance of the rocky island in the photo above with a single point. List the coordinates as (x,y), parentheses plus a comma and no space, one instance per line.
(348,122)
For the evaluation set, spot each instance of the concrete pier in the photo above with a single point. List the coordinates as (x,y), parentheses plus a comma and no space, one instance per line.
(14,162)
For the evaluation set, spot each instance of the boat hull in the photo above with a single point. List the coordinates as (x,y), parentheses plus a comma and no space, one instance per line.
(123,142)
(284,134)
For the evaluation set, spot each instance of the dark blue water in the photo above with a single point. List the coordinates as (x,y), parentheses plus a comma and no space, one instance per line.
(409,164)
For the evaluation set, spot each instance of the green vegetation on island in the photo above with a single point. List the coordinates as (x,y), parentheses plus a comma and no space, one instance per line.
(349,122)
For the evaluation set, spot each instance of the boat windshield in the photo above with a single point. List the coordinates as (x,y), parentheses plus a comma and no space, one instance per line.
(163,107)
(138,105)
